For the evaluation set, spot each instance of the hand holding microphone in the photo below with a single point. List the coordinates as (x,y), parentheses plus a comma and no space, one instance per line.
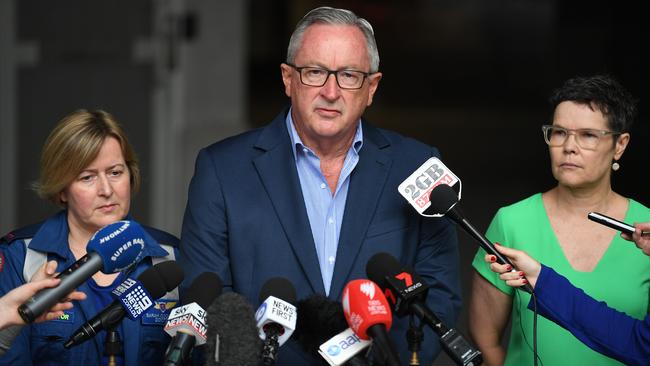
(530,267)
(445,201)
(429,190)
(11,300)
(113,248)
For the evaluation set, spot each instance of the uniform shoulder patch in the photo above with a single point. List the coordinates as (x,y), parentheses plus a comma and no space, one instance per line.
(22,233)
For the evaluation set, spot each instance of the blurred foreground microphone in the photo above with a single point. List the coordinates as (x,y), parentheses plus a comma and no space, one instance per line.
(322,329)
(445,201)
(113,248)
(135,297)
(187,324)
(368,314)
(408,293)
(276,316)
(232,338)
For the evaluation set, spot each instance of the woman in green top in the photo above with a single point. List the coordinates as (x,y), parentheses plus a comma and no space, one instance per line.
(588,135)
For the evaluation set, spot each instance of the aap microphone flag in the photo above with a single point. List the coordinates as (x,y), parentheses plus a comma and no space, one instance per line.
(342,347)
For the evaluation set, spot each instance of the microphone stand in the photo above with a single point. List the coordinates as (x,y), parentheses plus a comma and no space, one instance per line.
(113,346)
(414,337)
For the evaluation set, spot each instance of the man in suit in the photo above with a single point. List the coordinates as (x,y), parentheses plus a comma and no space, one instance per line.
(313,195)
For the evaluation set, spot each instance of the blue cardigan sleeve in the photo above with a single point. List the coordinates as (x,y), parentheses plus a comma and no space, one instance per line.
(603,329)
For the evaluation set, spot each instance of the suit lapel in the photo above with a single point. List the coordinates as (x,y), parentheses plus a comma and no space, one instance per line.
(366,184)
(278,174)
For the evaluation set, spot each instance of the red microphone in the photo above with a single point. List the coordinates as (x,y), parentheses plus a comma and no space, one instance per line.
(369,316)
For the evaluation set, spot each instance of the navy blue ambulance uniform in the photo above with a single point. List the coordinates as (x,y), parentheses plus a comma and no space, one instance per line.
(144,340)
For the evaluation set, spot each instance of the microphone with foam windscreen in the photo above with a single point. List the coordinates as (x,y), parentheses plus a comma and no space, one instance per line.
(134,298)
(232,337)
(276,316)
(407,293)
(368,314)
(445,201)
(322,329)
(112,249)
(187,324)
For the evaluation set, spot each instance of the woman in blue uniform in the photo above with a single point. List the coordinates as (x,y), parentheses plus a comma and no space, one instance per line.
(90,170)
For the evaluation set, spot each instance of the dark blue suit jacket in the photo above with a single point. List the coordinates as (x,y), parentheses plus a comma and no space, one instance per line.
(246,220)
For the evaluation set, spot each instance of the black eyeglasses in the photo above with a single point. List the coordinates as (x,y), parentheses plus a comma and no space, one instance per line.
(346,79)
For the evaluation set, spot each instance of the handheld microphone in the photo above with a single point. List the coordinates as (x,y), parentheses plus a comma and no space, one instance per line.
(187,324)
(368,315)
(232,337)
(135,297)
(112,249)
(322,329)
(407,293)
(276,316)
(445,202)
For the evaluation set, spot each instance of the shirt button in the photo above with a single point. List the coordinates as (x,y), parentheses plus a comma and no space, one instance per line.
(304,150)
(331,260)
(330,220)
(322,186)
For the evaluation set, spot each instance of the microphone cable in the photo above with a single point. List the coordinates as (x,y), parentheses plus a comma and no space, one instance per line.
(533,298)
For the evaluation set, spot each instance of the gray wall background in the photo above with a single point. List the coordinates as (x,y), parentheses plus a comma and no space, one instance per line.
(470,77)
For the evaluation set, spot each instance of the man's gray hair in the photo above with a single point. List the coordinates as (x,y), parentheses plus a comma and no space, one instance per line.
(328,15)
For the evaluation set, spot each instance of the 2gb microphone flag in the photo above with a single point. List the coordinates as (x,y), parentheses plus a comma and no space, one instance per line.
(417,188)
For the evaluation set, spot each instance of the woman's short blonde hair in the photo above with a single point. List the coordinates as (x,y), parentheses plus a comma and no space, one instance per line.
(73,144)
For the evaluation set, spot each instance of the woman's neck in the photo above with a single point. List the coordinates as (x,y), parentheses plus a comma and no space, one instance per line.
(582,200)
(78,239)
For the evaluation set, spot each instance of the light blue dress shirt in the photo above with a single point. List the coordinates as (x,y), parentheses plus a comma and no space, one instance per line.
(324,209)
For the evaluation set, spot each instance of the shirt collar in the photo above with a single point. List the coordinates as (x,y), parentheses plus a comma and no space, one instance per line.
(52,236)
(297,144)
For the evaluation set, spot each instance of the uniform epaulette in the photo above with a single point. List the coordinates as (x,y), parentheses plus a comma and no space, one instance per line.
(23,233)
(162,237)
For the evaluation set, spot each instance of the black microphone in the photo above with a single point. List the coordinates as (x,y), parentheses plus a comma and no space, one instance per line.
(319,321)
(232,337)
(407,293)
(112,249)
(156,281)
(276,316)
(444,201)
(187,324)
